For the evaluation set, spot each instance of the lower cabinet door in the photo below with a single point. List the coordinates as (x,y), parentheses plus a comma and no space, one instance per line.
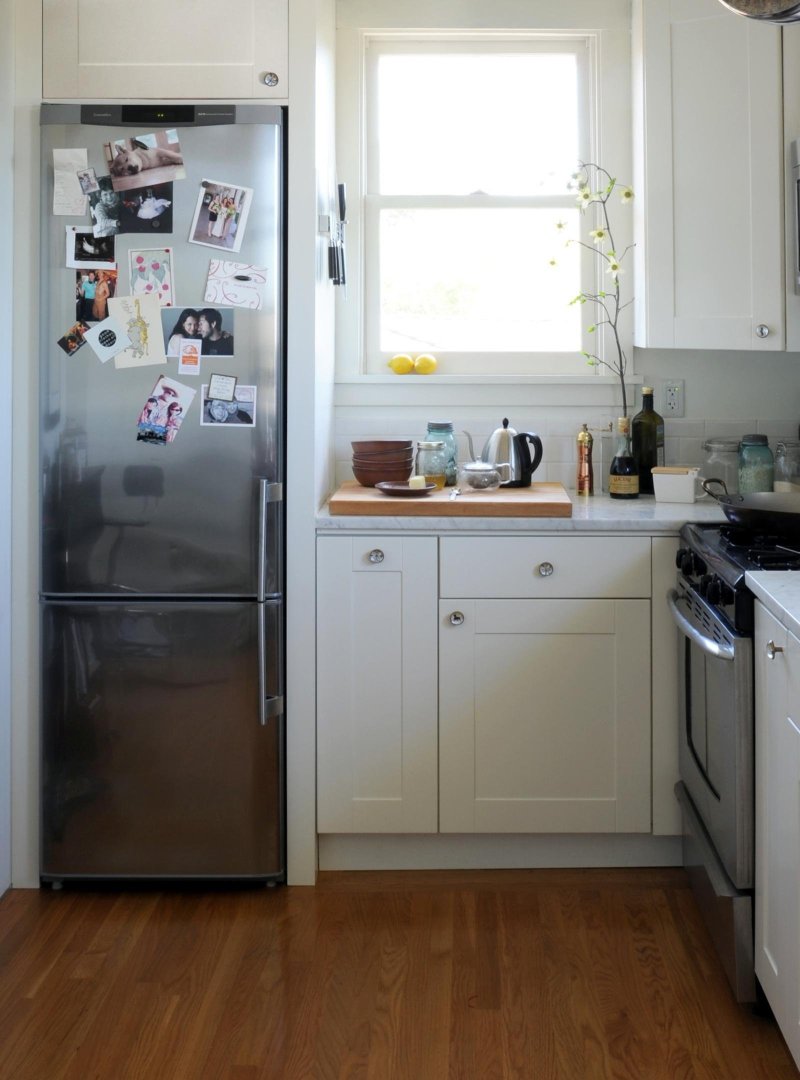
(376,684)
(544,716)
(777,675)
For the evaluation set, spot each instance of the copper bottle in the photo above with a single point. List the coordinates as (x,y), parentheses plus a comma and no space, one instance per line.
(584,481)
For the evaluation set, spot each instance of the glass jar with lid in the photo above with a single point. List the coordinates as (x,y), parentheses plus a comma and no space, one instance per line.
(787,467)
(442,431)
(756,465)
(722,462)
(432,461)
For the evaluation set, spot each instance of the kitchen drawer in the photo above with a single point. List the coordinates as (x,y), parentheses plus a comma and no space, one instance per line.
(545,566)
(377,554)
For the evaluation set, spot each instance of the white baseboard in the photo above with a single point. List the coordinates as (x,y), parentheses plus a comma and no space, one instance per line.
(345,852)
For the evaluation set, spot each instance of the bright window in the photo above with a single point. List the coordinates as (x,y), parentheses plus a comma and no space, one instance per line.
(465,147)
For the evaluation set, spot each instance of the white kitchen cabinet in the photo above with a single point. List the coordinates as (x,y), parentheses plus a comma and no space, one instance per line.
(181,49)
(376,684)
(544,716)
(777,898)
(708,146)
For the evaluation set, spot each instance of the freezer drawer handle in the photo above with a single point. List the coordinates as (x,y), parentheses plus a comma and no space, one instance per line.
(273,706)
(268,704)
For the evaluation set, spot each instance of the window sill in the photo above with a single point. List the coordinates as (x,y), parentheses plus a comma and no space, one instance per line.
(631,379)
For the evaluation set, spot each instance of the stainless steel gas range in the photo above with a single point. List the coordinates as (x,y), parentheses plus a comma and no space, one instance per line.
(713,611)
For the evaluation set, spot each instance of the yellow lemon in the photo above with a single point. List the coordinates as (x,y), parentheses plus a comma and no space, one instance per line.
(401,364)
(425,364)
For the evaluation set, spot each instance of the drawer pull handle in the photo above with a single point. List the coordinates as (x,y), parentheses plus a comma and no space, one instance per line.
(545,569)
(772,648)
(376,556)
(457,618)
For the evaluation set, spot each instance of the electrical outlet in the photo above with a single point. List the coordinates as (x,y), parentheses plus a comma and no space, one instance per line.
(673,397)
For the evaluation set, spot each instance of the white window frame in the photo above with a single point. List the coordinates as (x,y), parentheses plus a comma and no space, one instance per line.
(609,136)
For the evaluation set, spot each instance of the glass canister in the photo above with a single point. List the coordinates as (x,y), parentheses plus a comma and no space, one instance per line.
(432,461)
(442,431)
(756,465)
(787,467)
(722,462)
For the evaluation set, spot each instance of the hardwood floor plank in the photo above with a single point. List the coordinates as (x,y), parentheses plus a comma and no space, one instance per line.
(531,975)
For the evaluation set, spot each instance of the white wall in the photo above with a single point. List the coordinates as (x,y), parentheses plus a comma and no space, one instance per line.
(6,444)
(310,409)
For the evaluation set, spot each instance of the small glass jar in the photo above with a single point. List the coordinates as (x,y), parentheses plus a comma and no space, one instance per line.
(787,467)
(722,462)
(756,465)
(432,462)
(442,431)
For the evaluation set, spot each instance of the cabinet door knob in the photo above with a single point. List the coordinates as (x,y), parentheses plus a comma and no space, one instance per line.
(762,330)
(457,618)
(269,78)
(376,555)
(545,569)
(772,648)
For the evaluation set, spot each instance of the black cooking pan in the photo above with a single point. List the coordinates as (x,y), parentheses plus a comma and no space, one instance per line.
(770,511)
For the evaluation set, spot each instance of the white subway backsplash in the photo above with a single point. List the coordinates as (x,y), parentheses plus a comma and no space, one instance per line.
(558,428)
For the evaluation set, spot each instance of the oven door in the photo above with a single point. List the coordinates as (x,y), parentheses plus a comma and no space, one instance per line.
(716,748)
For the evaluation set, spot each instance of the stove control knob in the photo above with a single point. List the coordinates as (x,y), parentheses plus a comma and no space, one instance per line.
(705,581)
(680,556)
(687,563)
(699,565)
(714,593)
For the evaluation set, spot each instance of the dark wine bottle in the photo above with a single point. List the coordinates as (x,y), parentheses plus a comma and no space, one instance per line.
(647,441)
(623,476)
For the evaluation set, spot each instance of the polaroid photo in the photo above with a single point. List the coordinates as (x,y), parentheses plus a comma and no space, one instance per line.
(105,206)
(213,325)
(148,210)
(240,412)
(87,178)
(220,216)
(93,288)
(73,339)
(87,251)
(107,339)
(189,359)
(140,318)
(221,387)
(162,414)
(144,160)
(151,271)
(235,284)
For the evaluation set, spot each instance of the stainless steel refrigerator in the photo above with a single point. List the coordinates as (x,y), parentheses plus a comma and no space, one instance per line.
(162,583)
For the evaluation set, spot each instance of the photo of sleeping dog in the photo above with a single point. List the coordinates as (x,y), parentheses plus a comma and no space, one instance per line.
(144,160)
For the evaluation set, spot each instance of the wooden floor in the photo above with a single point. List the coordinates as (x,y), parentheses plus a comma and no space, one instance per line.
(547,975)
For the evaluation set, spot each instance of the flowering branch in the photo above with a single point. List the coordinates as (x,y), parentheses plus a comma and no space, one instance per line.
(595,186)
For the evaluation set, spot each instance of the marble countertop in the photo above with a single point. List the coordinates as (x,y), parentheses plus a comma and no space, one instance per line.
(599,513)
(779,590)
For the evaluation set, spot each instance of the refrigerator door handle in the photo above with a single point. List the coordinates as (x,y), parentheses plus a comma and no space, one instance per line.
(269,705)
(267,493)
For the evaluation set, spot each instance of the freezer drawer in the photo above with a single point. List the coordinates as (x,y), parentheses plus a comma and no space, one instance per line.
(162,740)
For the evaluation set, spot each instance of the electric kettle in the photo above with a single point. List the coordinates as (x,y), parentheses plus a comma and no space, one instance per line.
(506,445)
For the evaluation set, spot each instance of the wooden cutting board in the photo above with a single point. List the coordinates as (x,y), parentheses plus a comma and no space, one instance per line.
(539,500)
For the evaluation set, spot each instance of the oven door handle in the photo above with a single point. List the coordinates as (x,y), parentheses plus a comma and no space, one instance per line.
(708,645)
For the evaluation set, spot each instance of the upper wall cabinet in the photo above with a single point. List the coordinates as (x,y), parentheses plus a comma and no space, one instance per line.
(709,170)
(181,49)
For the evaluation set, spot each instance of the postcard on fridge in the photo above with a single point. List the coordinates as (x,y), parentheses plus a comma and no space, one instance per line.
(152,273)
(221,387)
(107,338)
(163,412)
(140,318)
(189,359)
(73,339)
(68,198)
(235,284)
(239,413)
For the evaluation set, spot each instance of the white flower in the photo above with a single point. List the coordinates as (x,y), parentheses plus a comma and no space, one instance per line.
(614,268)
(552,261)
(584,197)
(598,235)
(626,195)
(561,225)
